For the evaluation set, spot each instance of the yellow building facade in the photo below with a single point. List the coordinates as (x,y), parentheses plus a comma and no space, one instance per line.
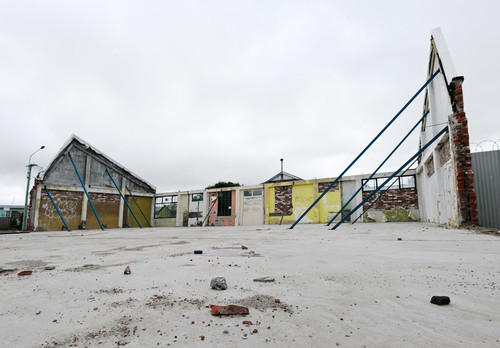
(285,202)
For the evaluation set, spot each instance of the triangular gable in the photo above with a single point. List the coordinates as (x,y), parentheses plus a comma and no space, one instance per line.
(282,176)
(86,146)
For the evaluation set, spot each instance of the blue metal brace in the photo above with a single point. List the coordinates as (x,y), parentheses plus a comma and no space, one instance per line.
(84,189)
(57,209)
(380,166)
(366,148)
(392,176)
(114,183)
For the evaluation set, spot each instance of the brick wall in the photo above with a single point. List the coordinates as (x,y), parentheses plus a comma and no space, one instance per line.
(283,200)
(405,198)
(322,186)
(464,176)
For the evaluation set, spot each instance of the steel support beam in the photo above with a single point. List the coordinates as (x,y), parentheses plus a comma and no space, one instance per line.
(367,147)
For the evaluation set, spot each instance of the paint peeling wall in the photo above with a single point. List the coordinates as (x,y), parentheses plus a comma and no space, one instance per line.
(214,219)
(279,207)
(63,183)
(70,206)
(444,174)
(251,206)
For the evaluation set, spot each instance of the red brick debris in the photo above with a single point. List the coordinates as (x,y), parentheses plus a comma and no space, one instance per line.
(25,273)
(127,270)
(229,310)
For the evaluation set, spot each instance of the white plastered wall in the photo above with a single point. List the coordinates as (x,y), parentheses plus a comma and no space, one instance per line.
(437,197)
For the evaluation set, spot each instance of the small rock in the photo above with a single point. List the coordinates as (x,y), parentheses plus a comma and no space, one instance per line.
(440,300)
(264,279)
(127,270)
(49,268)
(226,331)
(202,338)
(247,322)
(38,313)
(400,238)
(244,247)
(198,251)
(255,331)
(218,283)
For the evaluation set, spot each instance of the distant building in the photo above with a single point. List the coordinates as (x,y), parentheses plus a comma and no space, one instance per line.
(97,171)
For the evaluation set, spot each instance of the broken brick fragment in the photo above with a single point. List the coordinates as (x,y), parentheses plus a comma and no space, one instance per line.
(244,247)
(215,309)
(277,300)
(247,322)
(25,273)
(127,270)
(255,331)
(229,310)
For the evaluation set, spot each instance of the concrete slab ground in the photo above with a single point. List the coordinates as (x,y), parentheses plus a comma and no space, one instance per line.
(358,286)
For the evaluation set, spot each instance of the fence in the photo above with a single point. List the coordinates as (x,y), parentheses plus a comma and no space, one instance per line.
(486,166)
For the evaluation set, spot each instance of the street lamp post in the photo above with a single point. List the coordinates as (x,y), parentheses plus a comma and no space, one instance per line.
(30,165)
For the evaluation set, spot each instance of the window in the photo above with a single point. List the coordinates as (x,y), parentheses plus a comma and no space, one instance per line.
(392,184)
(369,185)
(224,203)
(197,197)
(407,181)
(249,193)
(165,207)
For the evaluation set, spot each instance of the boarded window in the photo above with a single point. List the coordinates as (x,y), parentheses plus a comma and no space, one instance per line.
(283,200)
(224,204)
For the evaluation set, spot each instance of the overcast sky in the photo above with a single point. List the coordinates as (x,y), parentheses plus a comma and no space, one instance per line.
(187,93)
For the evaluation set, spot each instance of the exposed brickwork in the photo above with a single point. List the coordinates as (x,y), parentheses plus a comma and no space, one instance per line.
(405,198)
(429,167)
(283,200)
(464,176)
(104,197)
(444,153)
(322,186)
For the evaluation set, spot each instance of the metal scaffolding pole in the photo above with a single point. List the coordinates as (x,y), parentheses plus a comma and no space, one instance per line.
(392,176)
(57,209)
(120,192)
(367,147)
(84,189)
(380,166)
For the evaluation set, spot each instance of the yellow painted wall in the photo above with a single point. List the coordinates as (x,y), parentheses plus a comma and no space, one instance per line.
(145,204)
(331,202)
(304,193)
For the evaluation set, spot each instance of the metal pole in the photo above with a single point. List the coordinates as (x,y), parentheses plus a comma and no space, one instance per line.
(137,204)
(28,176)
(392,176)
(57,209)
(84,189)
(120,192)
(383,193)
(367,147)
(380,166)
